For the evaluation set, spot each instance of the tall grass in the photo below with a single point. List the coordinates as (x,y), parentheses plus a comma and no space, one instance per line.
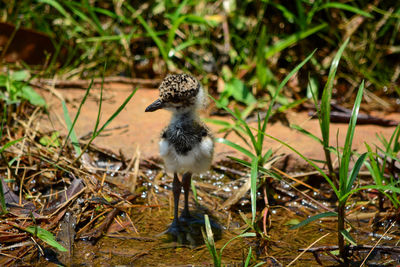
(204,37)
(344,185)
(258,157)
(346,179)
(217,255)
(97,130)
(381,165)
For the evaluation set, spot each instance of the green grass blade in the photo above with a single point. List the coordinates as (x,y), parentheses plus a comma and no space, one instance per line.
(172,32)
(235,146)
(110,14)
(344,167)
(309,162)
(313,218)
(189,43)
(325,107)
(383,140)
(292,105)
(395,158)
(194,190)
(355,171)
(95,20)
(247,262)
(253,188)
(290,16)
(63,12)
(160,43)
(347,8)
(390,152)
(176,22)
(292,39)
(234,238)
(219,122)
(305,132)
(178,11)
(396,145)
(392,187)
(260,168)
(348,237)
(8,144)
(240,120)
(70,126)
(301,18)
(115,114)
(76,9)
(260,138)
(281,85)
(54,164)
(209,241)
(45,236)
(266,156)
(371,166)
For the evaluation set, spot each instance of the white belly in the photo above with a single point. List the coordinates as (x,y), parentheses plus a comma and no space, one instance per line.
(197,160)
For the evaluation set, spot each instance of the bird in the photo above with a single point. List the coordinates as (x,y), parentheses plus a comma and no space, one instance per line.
(186,145)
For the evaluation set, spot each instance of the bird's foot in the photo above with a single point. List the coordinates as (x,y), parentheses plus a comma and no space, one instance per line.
(175,228)
(182,233)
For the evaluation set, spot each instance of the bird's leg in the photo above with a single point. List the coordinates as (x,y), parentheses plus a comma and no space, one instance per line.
(176,189)
(186,179)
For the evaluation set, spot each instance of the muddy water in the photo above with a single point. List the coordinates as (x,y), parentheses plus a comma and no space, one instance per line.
(145,245)
(148,249)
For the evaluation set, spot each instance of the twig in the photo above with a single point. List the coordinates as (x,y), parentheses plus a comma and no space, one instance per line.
(266,210)
(296,180)
(306,249)
(354,248)
(377,242)
(134,175)
(91,221)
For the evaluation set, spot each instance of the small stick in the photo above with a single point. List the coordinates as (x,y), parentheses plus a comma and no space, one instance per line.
(134,175)
(21,186)
(305,250)
(93,220)
(133,226)
(266,210)
(296,180)
(377,242)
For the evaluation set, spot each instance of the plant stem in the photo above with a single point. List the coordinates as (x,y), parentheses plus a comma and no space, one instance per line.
(332,174)
(341,215)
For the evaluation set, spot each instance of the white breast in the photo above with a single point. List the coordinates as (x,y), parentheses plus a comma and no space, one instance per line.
(197,160)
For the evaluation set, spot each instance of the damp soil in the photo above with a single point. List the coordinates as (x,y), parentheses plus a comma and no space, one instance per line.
(120,215)
(146,245)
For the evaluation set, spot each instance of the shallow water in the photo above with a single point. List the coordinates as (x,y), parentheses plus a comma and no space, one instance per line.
(142,243)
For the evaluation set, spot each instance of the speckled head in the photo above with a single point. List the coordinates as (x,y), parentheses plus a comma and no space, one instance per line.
(176,91)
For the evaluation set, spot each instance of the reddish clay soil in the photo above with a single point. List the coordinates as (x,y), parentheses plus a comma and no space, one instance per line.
(134,128)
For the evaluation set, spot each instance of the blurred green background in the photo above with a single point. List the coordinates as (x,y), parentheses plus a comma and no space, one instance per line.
(239,49)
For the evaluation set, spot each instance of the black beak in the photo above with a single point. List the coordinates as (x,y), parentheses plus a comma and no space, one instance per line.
(154,106)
